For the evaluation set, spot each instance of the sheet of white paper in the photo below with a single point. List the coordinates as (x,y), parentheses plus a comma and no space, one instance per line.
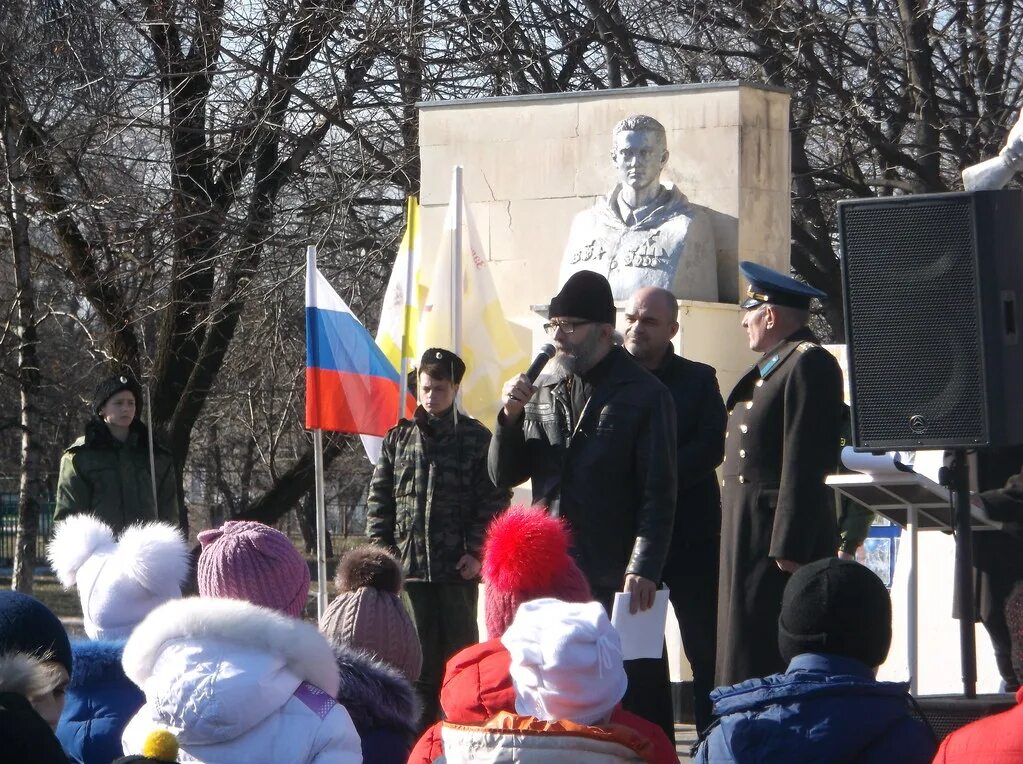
(642,634)
(868,463)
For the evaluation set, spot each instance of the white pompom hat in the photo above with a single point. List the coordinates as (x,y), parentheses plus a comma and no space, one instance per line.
(119,581)
(566,661)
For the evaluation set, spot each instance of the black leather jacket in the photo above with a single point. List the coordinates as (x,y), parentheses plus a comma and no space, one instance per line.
(605,462)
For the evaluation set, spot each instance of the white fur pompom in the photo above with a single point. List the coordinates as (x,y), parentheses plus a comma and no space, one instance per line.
(75,540)
(156,556)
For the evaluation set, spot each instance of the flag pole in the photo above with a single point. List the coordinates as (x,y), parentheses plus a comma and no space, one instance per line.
(456,271)
(321,526)
(456,262)
(411,230)
(321,510)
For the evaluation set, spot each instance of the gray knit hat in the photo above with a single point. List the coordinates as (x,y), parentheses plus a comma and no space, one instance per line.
(368,613)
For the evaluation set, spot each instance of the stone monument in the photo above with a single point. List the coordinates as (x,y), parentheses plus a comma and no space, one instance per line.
(643,233)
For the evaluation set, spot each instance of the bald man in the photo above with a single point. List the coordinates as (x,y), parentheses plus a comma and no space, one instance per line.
(691,571)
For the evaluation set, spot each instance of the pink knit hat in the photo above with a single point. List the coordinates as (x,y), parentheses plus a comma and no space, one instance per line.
(525,557)
(250,561)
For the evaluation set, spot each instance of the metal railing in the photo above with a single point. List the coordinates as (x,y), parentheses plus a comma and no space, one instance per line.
(9,527)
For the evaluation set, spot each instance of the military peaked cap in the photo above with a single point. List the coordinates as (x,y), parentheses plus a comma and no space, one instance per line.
(774,288)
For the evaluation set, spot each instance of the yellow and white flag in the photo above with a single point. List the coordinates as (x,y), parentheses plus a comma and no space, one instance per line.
(488,346)
(396,331)
(398,316)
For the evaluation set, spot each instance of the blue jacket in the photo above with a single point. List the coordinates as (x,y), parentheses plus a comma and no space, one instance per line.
(824,708)
(100,701)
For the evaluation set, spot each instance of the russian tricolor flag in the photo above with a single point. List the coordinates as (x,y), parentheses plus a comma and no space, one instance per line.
(350,386)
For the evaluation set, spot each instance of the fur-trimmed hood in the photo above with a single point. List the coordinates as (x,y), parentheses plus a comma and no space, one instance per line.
(375,695)
(304,651)
(25,675)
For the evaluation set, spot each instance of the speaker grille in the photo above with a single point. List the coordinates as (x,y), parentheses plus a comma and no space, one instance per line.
(913,322)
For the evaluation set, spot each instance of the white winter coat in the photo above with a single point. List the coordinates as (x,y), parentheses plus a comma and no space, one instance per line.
(237,683)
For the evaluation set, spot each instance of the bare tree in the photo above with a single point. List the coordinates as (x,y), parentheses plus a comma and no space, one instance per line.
(177,156)
(30,484)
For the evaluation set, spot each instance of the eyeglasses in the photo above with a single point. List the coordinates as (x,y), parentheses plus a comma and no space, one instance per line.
(566,327)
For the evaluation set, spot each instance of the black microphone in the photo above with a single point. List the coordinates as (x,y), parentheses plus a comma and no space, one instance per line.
(546,353)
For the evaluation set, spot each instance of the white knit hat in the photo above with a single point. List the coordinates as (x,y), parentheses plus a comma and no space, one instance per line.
(566,661)
(118,582)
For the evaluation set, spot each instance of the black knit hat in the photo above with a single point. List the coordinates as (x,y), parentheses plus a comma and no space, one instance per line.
(28,626)
(111,386)
(585,295)
(838,607)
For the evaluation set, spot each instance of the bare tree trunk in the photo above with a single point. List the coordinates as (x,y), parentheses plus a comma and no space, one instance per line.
(307,525)
(30,488)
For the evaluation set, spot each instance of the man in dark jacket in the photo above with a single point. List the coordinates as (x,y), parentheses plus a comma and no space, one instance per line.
(998,554)
(429,502)
(597,440)
(691,570)
(784,425)
(108,472)
(834,630)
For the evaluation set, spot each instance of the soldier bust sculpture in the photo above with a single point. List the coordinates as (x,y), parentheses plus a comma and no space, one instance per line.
(644,233)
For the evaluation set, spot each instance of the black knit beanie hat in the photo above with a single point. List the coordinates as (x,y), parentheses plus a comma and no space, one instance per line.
(111,386)
(28,626)
(838,607)
(585,295)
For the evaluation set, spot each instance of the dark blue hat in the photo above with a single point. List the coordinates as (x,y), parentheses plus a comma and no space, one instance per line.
(774,288)
(28,626)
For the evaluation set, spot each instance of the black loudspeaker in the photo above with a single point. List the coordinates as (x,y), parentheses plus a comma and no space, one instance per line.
(930,286)
(947,713)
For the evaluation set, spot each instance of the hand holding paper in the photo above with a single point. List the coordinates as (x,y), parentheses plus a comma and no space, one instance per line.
(642,633)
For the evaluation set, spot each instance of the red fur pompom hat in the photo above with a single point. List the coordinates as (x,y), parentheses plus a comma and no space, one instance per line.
(525,557)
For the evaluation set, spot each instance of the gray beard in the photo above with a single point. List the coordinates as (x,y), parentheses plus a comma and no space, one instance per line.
(562,365)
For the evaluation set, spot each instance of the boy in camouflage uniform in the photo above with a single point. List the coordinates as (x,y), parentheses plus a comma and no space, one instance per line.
(430,501)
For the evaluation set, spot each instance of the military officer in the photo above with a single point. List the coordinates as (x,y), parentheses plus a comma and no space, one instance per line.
(784,421)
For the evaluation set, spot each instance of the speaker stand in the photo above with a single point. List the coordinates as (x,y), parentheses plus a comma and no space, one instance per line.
(959,481)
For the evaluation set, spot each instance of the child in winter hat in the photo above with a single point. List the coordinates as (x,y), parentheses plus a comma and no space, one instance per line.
(26,735)
(368,613)
(28,626)
(119,581)
(566,661)
(526,557)
(251,561)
